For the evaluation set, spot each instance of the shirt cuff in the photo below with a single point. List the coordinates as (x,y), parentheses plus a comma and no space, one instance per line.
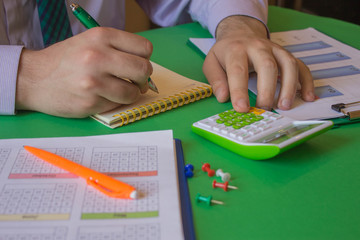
(254,9)
(10,56)
(215,11)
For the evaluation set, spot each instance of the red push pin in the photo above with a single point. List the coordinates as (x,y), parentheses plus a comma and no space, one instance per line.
(206,168)
(224,185)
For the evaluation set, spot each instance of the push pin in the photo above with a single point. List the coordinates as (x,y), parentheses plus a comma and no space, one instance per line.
(224,185)
(208,200)
(206,168)
(189,170)
(225,177)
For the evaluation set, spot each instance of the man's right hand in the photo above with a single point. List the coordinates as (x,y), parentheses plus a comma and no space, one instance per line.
(85,74)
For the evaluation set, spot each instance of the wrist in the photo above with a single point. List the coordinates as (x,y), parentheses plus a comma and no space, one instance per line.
(244,25)
(28,71)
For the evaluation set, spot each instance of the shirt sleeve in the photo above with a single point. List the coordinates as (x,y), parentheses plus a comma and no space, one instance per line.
(208,13)
(9,63)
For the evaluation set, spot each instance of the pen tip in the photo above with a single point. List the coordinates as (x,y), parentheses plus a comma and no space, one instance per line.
(152,85)
(134,194)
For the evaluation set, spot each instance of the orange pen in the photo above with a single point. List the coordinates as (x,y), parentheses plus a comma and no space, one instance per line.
(105,184)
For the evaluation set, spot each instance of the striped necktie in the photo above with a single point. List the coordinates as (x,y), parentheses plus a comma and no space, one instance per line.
(54,21)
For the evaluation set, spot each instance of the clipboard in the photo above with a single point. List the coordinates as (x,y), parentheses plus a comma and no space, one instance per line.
(351,113)
(351,110)
(185,203)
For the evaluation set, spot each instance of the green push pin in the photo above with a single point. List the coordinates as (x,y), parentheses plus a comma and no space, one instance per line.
(208,200)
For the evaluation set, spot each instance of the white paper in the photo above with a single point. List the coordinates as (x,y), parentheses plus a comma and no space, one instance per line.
(326,56)
(39,201)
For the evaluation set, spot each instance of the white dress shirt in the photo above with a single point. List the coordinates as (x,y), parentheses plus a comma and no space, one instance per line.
(20,26)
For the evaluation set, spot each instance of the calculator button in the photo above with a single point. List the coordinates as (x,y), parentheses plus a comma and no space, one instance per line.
(267,114)
(247,128)
(258,124)
(205,124)
(218,127)
(255,131)
(243,136)
(256,111)
(236,133)
(239,125)
(274,116)
(228,122)
(266,120)
(225,130)
(220,120)
(264,127)
(213,118)
(277,116)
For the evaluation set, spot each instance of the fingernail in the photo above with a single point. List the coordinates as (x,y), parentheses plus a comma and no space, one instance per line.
(311,96)
(219,94)
(215,91)
(286,103)
(242,104)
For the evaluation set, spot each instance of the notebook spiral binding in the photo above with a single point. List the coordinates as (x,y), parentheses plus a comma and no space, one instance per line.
(162,105)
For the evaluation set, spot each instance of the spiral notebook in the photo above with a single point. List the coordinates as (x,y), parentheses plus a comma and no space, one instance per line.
(175,91)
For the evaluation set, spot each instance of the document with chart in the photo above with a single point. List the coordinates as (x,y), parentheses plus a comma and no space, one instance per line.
(41,201)
(335,68)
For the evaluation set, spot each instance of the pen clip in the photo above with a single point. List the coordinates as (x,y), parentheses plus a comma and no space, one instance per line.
(106,190)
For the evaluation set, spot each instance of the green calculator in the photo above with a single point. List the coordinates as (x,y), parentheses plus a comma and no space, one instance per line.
(258,134)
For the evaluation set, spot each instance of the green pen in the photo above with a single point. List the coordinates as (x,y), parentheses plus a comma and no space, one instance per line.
(90,22)
(83,16)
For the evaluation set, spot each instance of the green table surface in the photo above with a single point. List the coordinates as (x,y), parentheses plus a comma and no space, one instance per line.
(309,192)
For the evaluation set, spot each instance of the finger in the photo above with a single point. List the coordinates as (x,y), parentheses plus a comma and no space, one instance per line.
(216,77)
(121,40)
(238,76)
(126,66)
(119,91)
(306,81)
(267,74)
(131,43)
(289,78)
(113,89)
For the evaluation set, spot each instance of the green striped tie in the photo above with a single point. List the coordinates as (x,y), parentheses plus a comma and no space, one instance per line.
(54,21)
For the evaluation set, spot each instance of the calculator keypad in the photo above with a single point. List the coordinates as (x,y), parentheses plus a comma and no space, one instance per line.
(241,126)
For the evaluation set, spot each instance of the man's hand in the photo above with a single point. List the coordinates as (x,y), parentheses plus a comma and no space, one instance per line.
(242,46)
(85,74)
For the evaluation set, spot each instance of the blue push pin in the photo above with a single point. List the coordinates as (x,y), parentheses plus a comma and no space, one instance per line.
(189,170)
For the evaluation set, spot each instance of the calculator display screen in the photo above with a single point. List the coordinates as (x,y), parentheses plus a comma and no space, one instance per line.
(286,133)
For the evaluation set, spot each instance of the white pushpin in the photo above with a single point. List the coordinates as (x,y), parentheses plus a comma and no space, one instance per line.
(225,177)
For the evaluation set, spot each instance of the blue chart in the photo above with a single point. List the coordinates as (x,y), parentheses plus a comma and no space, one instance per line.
(335,72)
(307,46)
(324,58)
(326,91)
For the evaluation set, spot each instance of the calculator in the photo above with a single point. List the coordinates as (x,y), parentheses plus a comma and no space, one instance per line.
(258,134)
